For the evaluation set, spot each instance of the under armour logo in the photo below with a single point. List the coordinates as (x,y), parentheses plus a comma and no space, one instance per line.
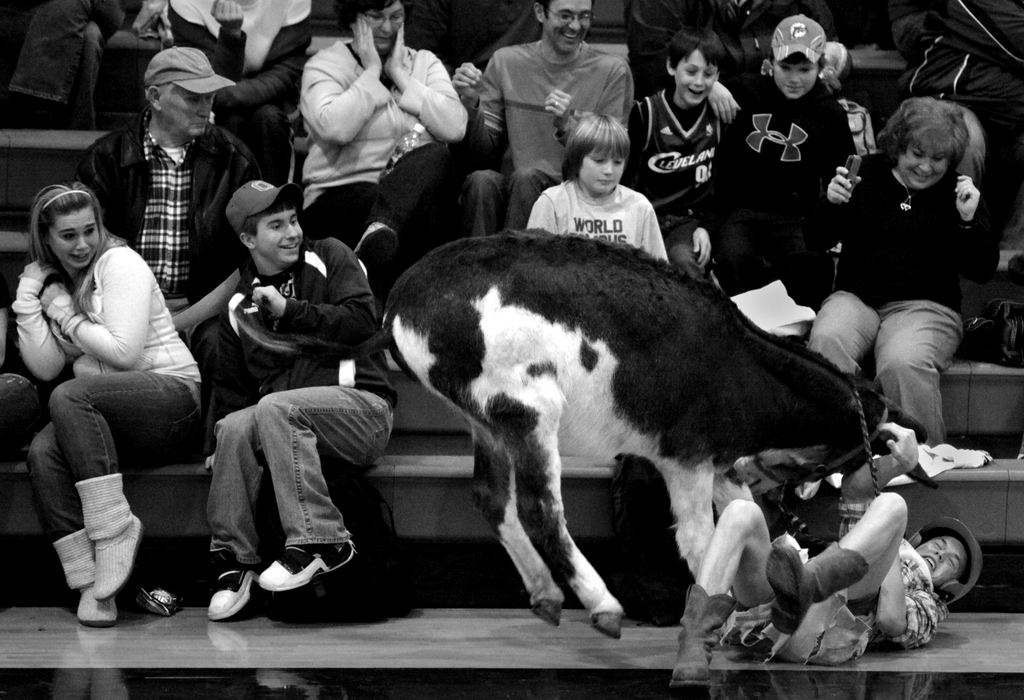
(756,138)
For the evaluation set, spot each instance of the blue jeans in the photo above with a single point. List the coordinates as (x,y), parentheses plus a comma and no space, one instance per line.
(492,202)
(61,46)
(292,429)
(912,342)
(98,421)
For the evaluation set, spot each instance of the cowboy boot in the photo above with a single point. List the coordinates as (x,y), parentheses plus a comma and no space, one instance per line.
(114,530)
(75,552)
(702,622)
(797,585)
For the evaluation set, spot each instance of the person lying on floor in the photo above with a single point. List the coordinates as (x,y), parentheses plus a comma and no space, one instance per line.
(871,587)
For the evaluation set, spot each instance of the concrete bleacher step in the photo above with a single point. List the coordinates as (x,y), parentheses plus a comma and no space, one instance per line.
(426,477)
(427,481)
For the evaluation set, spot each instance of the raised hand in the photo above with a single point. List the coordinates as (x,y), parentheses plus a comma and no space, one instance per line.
(395,66)
(229,14)
(362,44)
(37,271)
(967,197)
(840,188)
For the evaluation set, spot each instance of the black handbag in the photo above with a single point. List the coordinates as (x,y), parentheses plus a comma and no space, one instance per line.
(997,335)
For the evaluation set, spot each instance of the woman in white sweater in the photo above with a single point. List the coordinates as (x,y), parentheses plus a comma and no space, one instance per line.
(358,100)
(88,300)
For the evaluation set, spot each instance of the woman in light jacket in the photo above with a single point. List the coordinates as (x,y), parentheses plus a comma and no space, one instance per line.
(358,100)
(88,300)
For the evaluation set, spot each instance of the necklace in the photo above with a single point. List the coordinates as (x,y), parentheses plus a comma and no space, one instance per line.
(906,204)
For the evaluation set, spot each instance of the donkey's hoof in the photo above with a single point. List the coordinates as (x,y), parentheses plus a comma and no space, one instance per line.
(608,623)
(548,610)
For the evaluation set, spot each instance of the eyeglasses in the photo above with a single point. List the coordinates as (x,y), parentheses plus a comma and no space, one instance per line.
(376,18)
(566,17)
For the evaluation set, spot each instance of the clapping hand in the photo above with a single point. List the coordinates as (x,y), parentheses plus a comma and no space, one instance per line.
(557,103)
(467,80)
(967,198)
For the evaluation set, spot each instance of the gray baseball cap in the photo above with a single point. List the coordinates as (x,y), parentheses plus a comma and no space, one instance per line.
(185,67)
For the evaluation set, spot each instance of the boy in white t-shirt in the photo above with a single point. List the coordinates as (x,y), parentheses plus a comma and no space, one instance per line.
(590,201)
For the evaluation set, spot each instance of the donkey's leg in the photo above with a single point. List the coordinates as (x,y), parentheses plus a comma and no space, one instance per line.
(494,494)
(690,488)
(538,472)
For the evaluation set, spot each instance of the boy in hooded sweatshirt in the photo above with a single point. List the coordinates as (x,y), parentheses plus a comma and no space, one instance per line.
(773,165)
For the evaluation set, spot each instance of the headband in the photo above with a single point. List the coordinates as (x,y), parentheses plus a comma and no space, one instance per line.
(57,196)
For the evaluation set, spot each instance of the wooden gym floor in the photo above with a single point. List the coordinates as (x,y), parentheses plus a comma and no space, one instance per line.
(460,653)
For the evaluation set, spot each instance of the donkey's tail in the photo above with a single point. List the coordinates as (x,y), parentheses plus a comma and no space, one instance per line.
(303,344)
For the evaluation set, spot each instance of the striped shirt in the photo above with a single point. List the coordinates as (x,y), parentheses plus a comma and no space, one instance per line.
(164,241)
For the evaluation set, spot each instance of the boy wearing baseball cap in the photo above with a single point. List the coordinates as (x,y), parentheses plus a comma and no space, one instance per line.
(773,164)
(287,412)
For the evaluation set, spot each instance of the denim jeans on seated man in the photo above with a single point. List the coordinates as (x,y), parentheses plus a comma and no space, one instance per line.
(292,429)
(492,202)
(101,423)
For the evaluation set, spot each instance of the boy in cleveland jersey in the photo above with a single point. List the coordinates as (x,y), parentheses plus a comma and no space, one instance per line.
(673,136)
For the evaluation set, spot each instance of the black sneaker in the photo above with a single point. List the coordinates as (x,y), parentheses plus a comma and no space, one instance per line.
(231,589)
(300,564)
(377,247)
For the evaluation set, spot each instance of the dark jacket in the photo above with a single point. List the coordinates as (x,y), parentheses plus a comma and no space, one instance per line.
(330,299)
(460,31)
(779,154)
(115,168)
(891,253)
(277,82)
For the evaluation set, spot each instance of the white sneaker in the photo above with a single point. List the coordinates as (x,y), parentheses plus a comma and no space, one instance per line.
(232,594)
(302,563)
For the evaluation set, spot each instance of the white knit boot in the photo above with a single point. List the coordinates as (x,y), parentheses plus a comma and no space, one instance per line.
(114,530)
(76,556)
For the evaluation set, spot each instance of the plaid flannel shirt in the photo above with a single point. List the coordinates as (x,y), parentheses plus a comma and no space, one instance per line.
(164,242)
(925,610)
